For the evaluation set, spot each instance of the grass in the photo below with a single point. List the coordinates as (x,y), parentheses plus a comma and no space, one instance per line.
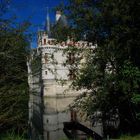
(11,136)
(127,137)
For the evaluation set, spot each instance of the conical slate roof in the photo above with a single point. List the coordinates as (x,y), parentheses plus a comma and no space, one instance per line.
(62,21)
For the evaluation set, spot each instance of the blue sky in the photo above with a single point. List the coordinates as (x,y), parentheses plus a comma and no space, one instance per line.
(35,11)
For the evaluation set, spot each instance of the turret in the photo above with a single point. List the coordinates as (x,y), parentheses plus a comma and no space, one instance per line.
(42,38)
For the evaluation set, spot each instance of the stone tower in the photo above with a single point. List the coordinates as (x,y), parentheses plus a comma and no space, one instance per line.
(56,102)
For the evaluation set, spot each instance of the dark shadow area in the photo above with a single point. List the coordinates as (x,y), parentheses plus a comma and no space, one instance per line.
(69,128)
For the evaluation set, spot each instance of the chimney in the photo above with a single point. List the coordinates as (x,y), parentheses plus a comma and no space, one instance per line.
(58,15)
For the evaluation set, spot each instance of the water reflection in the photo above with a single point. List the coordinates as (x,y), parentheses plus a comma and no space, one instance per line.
(56,112)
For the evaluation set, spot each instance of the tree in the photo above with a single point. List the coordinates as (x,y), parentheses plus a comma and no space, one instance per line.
(14,49)
(112,72)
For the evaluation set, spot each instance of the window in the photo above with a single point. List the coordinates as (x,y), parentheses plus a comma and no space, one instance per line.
(44,41)
(49,42)
(46,58)
(72,74)
(46,72)
(71,58)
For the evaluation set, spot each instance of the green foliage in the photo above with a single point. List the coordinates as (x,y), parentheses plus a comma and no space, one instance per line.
(14,50)
(60,32)
(112,71)
(35,62)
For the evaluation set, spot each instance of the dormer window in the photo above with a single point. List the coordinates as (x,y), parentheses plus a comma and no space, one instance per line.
(44,41)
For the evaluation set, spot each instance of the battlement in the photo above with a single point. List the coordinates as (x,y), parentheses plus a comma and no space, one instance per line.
(45,41)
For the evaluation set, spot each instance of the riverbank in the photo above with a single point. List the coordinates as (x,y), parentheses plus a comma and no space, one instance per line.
(127,137)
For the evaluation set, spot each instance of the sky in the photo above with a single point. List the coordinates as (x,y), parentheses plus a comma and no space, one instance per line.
(35,11)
